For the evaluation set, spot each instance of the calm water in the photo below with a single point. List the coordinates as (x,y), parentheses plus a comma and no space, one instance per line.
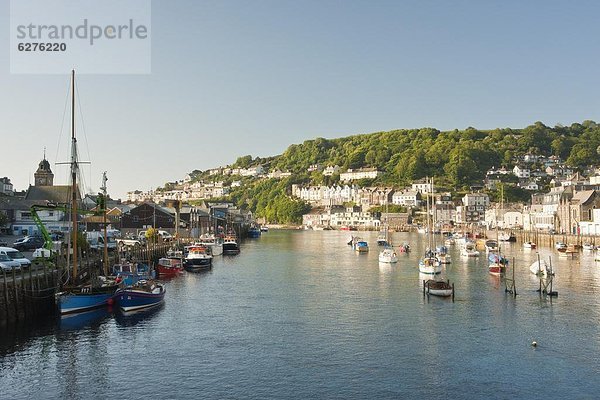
(299,315)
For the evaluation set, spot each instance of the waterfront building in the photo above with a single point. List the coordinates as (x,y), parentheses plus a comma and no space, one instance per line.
(591,227)
(147,215)
(352,216)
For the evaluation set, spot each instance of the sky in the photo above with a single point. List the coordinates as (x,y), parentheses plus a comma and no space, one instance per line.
(230,78)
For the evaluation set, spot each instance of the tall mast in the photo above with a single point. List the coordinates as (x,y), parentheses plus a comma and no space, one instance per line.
(103,188)
(74,169)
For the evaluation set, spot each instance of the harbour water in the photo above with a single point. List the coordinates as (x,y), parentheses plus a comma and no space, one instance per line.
(299,315)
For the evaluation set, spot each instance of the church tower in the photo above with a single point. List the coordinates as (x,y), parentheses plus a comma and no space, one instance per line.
(44,176)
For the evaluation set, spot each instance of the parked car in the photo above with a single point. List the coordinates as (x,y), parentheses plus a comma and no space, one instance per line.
(8,264)
(29,243)
(165,236)
(16,255)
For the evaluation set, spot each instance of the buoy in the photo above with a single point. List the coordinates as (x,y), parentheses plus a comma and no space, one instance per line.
(534,343)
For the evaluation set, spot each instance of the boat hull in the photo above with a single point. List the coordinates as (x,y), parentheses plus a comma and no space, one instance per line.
(438,288)
(130,299)
(254,233)
(78,300)
(231,249)
(430,267)
(169,271)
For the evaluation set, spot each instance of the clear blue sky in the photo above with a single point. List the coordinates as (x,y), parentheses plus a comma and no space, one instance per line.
(231,78)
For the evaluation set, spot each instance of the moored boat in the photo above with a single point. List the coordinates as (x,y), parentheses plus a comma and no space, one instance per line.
(568,251)
(560,245)
(86,297)
(497,264)
(254,232)
(128,273)
(529,245)
(215,244)
(143,294)
(361,246)
(388,255)
(491,246)
(230,245)
(438,288)
(429,264)
(167,266)
(198,258)
(469,249)
(506,237)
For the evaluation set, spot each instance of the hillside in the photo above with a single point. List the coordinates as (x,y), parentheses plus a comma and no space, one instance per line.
(456,159)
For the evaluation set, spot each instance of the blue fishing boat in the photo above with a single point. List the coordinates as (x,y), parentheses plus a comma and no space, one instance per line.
(81,298)
(254,232)
(143,294)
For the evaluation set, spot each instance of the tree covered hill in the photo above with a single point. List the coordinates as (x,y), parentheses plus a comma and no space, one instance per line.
(457,159)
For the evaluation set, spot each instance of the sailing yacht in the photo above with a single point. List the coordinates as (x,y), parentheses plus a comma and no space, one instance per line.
(388,254)
(429,264)
(76,297)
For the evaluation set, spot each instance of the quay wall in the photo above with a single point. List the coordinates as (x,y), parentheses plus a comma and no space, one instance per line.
(28,294)
(544,239)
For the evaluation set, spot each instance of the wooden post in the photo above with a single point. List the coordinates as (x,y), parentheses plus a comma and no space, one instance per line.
(423,287)
(5,293)
(513,277)
(14,276)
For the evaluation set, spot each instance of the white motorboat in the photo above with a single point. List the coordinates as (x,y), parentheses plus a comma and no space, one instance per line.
(388,255)
(469,250)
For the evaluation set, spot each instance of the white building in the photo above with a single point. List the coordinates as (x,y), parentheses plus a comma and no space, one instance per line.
(330,170)
(521,172)
(410,198)
(591,227)
(358,219)
(530,185)
(363,173)
(422,187)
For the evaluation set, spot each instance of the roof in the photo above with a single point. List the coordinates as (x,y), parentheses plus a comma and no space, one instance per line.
(583,196)
(57,194)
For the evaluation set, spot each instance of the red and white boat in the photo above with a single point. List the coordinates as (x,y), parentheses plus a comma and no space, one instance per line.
(169,267)
(497,264)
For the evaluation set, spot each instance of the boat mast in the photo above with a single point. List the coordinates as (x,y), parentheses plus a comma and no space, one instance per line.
(74,168)
(103,204)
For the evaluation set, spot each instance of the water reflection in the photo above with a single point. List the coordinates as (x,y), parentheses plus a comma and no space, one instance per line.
(84,319)
(133,318)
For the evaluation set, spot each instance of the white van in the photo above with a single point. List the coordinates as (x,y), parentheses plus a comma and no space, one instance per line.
(16,255)
(96,241)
